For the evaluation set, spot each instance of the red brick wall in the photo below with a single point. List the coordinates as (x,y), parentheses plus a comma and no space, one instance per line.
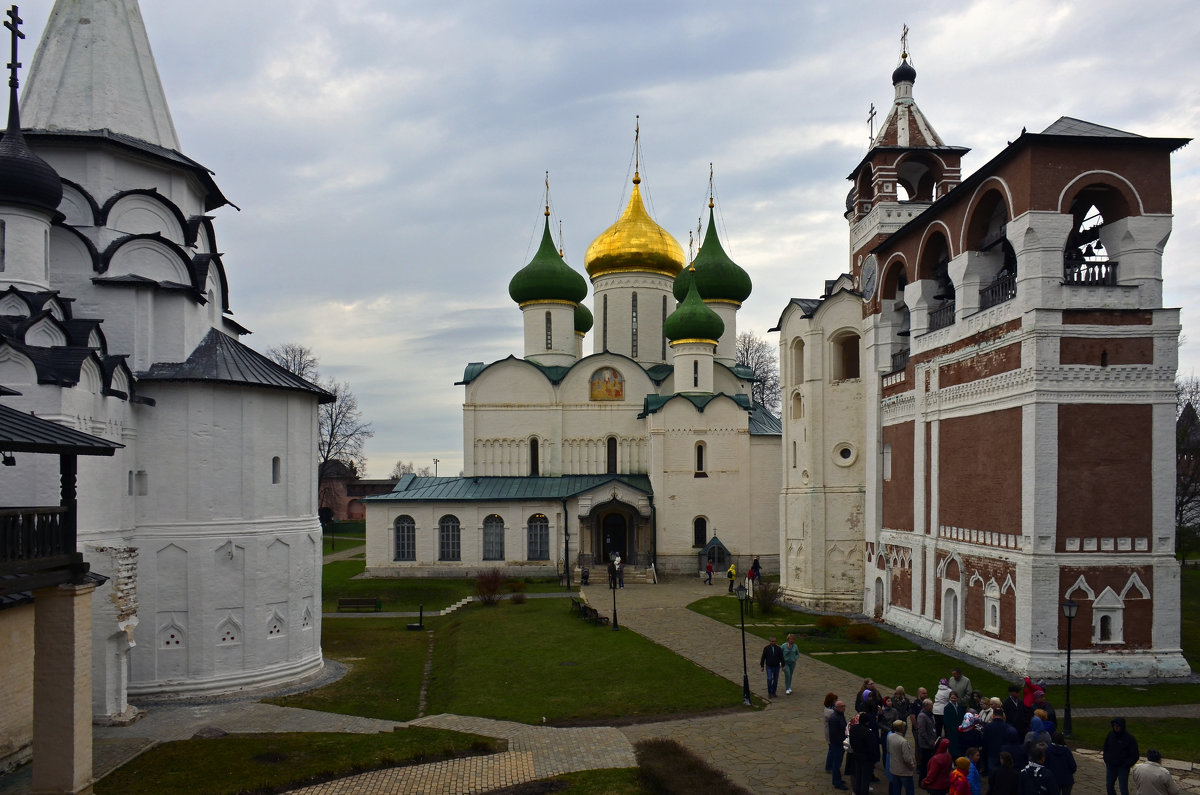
(1107,317)
(1138,619)
(1104,351)
(993,362)
(1104,471)
(898,491)
(979,471)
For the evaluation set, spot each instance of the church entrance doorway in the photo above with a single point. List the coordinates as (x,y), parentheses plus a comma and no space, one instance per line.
(950,616)
(614,532)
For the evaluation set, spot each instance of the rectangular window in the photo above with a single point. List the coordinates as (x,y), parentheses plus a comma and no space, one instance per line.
(662,329)
(634,346)
(493,538)
(549,333)
(539,538)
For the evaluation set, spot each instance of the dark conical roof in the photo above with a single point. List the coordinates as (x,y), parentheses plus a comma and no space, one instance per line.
(25,178)
(904,73)
(717,277)
(547,277)
(693,319)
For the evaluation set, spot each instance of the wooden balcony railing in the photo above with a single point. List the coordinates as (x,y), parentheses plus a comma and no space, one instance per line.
(1004,288)
(34,538)
(942,317)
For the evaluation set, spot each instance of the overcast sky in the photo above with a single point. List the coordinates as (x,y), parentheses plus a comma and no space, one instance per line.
(388,157)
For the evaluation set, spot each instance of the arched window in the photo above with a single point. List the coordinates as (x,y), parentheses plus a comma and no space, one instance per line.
(695,374)
(604,325)
(1105,628)
(634,328)
(793,455)
(662,332)
(538,530)
(493,538)
(699,531)
(275,469)
(700,472)
(449,538)
(798,362)
(845,356)
(549,332)
(534,448)
(405,544)
(797,407)
(612,456)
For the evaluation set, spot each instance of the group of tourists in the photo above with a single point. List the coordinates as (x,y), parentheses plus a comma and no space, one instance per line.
(957,740)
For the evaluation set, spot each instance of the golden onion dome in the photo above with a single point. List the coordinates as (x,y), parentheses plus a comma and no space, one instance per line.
(634,244)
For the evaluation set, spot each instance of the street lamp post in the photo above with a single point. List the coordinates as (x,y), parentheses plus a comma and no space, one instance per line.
(741,595)
(1070,610)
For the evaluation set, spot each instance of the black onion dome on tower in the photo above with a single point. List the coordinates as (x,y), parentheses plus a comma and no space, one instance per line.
(904,72)
(717,277)
(25,179)
(547,277)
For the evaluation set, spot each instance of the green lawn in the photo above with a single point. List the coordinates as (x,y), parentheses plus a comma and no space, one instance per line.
(1175,737)
(403,594)
(386,665)
(273,762)
(342,543)
(1189,600)
(915,667)
(523,662)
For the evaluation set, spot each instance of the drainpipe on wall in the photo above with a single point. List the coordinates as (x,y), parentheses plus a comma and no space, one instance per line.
(653,533)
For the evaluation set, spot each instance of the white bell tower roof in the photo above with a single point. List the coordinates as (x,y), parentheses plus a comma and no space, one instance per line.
(94,70)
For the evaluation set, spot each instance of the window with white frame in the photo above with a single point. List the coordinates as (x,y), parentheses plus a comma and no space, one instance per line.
(1108,618)
(449,538)
(406,538)
(991,608)
(493,538)
(539,537)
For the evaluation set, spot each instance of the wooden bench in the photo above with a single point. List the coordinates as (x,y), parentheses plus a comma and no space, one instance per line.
(593,616)
(576,606)
(360,603)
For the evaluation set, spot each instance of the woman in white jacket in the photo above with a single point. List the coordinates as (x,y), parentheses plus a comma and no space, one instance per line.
(940,700)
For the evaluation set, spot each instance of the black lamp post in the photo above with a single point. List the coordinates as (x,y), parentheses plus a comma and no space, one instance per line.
(1070,610)
(741,595)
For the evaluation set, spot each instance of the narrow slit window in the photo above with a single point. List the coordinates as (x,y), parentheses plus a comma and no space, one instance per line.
(634,318)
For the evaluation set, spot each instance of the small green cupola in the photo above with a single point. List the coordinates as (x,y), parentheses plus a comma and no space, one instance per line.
(547,277)
(717,277)
(693,320)
(583,319)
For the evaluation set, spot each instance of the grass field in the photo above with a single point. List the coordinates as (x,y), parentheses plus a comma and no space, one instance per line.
(1175,737)
(271,762)
(386,664)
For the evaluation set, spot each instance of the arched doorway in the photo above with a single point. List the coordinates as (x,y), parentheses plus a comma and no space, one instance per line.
(878,598)
(614,535)
(949,616)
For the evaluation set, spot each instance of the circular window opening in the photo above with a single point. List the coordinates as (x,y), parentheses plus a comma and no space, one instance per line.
(845,454)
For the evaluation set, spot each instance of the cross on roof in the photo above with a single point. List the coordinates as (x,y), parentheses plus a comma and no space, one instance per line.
(13,23)
(904,42)
(871,124)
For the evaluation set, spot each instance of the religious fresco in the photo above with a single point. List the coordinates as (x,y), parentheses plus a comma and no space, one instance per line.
(607,384)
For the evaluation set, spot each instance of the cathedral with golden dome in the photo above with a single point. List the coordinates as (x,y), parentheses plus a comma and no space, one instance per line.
(650,448)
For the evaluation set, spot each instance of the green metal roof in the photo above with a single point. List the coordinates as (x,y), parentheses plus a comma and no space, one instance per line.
(411,488)
(762,422)
(555,374)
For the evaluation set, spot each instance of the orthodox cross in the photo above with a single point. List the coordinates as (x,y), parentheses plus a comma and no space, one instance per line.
(871,125)
(637,135)
(13,23)
(547,194)
(904,42)
(710,186)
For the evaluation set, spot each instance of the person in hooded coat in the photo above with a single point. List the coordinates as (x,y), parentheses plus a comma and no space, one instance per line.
(1120,752)
(864,744)
(940,700)
(1036,734)
(937,776)
(1061,762)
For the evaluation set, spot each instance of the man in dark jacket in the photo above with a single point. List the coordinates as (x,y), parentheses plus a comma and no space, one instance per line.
(1014,708)
(1061,762)
(996,735)
(771,661)
(837,736)
(1036,779)
(864,745)
(1120,754)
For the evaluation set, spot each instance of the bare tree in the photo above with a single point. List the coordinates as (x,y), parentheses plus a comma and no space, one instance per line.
(342,433)
(296,358)
(763,358)
(403,468)
(1187,466)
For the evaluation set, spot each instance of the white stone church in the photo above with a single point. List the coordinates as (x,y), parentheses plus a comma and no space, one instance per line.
(115,320)
(978,417)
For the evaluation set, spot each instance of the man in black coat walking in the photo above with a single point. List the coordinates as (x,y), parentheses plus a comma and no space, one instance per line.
(1120,754)
(771,661)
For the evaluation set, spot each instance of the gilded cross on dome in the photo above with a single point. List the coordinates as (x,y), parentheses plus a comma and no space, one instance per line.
(904,42)
(13,24)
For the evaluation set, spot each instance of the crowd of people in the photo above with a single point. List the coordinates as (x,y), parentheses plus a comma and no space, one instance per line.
(958,742)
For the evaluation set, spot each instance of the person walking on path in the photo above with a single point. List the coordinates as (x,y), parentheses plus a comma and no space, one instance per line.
(830,702)
(1061,762)
(708,573)
(1151,778)
(791,653)
(836,735)
(612,575)
(732,575)
(771,661)
(1120,752)
(902,762)
(620,571)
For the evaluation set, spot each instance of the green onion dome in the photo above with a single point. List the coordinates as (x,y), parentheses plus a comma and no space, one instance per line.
(583,319)
(717,277)
(547,277)
(693,320)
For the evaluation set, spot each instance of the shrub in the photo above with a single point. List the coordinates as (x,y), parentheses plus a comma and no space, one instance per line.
(488,585)
(766,596)
(862,633)
(518,597)
(826,624)
(666,766)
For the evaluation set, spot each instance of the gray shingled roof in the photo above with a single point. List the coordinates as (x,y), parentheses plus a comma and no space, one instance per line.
(221,358)
(1070,126)
(26,433)
(411,488)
